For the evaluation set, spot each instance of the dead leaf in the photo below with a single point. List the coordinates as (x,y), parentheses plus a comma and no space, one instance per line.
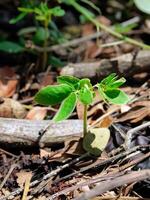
(106,122)
(22,176)
(37,113)
(8,81)
(96,140)
(139,111)
(12,109)
(80,110)
(46,78)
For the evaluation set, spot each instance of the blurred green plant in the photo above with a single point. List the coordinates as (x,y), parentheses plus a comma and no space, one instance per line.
(45,31)
(44,15)
(71,89)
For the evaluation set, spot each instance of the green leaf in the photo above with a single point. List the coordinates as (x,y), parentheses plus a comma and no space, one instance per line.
(11,47)
(70,80)
(85,95)
(26,10)
(116,96)
(124,29)
(41,34)
(57,11)
(96,140)
(85,81)
(55,61)
(40,18)
(52,95)
(116,83)
(143,5)
(18,18)
(109,79)
(66,108)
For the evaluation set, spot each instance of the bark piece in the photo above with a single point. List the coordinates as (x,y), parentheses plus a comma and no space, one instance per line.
(22,132)
(126,65)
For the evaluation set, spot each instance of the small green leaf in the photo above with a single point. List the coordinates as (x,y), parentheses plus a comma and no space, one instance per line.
(52,95)
(85,81)
(124,29)
(85,95)
(96,140)
(25,10)
(66,108)
(41,34)
(70,80)
(11,47)
(57,11)
(116,84)
(143,5)
(18,18)
(116,96)
(109,79)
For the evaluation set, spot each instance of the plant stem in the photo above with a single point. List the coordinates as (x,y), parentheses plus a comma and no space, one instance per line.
(108,29)
(45,46)
(85,121)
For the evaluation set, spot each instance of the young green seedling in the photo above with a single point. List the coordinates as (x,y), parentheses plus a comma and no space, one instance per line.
(70,89)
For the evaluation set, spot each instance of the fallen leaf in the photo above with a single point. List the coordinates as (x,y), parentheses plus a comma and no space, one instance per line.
(22,176)
(37,113)
(96,140)
(12,109)
(106,122)
(139,111)
(8,81)
(80,109)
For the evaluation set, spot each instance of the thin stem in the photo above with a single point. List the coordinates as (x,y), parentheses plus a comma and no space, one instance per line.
(85,120)
(45,46)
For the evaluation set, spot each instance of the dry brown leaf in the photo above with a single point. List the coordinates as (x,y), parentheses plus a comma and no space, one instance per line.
(104,20)
(135,115)
(141,103)
(47,79)
(12,109)
(37,113)
(8,81)
(106,122)
(87,29)
(22,176)
(80,110)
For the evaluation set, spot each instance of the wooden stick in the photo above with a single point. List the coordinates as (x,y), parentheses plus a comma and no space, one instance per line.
(23,132)
(126,65)
(116,182)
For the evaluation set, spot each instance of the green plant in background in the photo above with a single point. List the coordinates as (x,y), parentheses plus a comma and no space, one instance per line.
(44,15)
(45,31)
(70,89)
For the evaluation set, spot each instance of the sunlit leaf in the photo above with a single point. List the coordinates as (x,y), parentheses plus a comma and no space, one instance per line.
(73,81)
(85,81)
(96,140)
(52,95)
(109,79)
(85,95)
(66,108)
(117,83)
(116,96)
